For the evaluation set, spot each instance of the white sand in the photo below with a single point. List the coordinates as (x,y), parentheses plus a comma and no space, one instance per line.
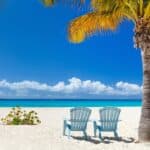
(48,135)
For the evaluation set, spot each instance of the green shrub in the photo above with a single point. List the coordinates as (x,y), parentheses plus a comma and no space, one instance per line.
(17,116)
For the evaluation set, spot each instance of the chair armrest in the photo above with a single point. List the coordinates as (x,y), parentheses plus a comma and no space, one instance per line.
(109,121)
(96,123)
(67,121)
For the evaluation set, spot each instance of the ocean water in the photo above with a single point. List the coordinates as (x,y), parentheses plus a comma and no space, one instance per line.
(70,102)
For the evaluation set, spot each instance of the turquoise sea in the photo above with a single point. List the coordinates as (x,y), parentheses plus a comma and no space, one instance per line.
(70,102)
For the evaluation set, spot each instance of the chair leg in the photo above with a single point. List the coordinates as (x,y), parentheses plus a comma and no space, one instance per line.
(64,131)
(64,128)
(69,133)
(100,136)
(95,128)
(116,134)
(85,134)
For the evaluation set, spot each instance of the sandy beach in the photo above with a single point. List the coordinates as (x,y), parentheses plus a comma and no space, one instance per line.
(48,135)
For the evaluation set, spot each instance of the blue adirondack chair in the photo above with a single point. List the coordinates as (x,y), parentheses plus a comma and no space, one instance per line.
(78,121)
(108,121)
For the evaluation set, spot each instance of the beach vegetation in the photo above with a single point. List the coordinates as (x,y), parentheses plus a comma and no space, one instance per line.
(17,116)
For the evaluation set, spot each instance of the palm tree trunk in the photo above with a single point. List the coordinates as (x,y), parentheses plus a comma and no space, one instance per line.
(144,127)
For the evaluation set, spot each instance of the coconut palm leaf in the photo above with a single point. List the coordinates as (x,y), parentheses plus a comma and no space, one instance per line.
(48,2)
(147,11)
(90,23)
(72,2)
(106,15)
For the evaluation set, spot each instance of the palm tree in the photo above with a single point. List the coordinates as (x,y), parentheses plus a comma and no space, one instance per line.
(106,15)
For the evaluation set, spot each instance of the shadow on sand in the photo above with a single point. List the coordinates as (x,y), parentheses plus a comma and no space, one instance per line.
(105,140)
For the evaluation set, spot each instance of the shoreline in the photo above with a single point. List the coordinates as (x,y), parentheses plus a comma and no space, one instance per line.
(70,103)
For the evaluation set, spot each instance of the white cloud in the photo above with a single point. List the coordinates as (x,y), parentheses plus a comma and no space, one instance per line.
(128,88)
(23,85)
(75,86)
(58,87)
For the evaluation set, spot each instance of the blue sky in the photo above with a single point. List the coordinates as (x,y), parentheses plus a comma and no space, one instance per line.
(34,47)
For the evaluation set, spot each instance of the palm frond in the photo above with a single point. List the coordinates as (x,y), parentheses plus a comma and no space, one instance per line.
(90,23)
(106,15)
(48,2)
(126,7)
(147,11)
(72,2)
(141,7)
